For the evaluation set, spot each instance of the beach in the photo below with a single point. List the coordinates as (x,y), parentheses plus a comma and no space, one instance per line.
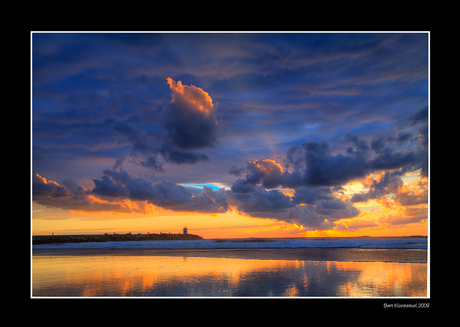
(302,254)
(81,270)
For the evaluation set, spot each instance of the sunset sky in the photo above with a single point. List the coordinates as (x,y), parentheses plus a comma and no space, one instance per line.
(230,134)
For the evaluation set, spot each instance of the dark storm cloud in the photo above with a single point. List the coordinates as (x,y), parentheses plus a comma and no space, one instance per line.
(294,157)
(44,189)
(151,162)
(235,171)
(164,194)
(177,156)
(315,166)
(267,201)
(316,174)
(243,186)
(73,196)
(115,187)
(359,144)
(322,169)
(190,121)
(321,210)
(312,195)
(105,187)
(141,141)
(310,206)
(189,124)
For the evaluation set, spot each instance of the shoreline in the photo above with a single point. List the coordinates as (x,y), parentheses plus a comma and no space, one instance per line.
(298,254)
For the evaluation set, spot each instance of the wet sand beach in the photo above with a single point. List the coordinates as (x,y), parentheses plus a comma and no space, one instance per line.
(229,272)
(312,254)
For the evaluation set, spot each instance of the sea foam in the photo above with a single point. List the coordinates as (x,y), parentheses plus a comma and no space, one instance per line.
(267,243)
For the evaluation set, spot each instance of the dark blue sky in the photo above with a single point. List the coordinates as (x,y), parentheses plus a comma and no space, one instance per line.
(332,107)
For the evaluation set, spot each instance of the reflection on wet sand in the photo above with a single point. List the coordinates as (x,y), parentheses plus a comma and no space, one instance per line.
(197,276)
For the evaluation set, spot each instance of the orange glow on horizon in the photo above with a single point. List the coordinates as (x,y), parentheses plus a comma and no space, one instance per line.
(401,213)
(228,225)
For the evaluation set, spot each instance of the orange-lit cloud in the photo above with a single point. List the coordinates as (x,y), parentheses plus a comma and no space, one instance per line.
(190,120)
(48,189)
(77,198)
(121,207)
(119,192)
(196,97)
(268,166)
(354,224)
(388,205)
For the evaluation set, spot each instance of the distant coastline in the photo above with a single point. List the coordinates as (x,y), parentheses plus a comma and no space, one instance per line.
(49,239)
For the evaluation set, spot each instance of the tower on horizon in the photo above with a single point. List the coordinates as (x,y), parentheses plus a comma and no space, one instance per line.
(184,230)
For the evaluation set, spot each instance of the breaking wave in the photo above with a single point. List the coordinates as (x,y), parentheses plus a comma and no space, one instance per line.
(255,243)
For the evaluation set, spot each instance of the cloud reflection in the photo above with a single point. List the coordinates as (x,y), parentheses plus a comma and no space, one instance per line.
(197,276)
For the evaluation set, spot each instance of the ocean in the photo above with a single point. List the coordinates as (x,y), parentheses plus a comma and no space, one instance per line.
(303,267)
(413,242)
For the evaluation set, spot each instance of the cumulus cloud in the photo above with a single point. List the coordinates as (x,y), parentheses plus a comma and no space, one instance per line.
(322,169)
(235,171)
(312,195)
(105,187)
(336,209)
(385,183)
(390,183)
(191,122)
(294,157)
(264,201)
(188,123)
(119,192)
(311,208)
(177,156)
(74,196)
(43,189)
(151,162)
(243,186)
(313,165)
(411,197)
(316,175)
(270,174)
(165,194)
(141,141)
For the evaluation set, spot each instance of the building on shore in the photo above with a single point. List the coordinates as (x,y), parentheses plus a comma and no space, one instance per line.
(184,230)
